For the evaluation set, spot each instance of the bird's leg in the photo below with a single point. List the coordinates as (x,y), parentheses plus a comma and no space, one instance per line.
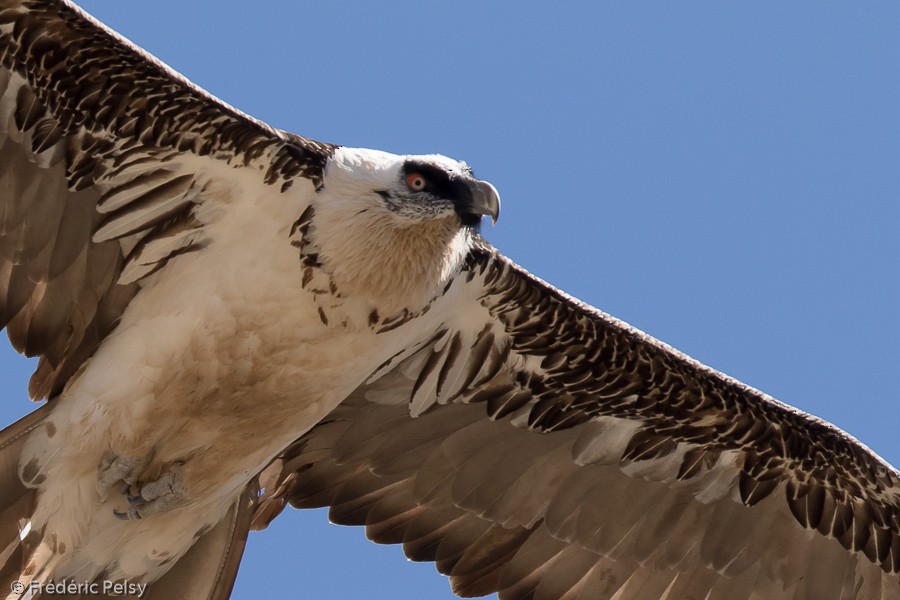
(161,494)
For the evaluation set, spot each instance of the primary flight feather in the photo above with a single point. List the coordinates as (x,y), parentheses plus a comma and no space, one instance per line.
(231,318)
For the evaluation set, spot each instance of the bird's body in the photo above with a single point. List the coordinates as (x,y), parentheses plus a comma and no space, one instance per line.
(196,394)
(212,340)
(231,318)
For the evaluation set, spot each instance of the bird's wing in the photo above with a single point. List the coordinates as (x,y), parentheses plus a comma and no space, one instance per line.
(540,448)
(102,157)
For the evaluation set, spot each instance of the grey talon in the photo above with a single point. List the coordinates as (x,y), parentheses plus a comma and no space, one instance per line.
(130,515)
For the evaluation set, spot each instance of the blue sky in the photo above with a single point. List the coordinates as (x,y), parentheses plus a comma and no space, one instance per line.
(722,175)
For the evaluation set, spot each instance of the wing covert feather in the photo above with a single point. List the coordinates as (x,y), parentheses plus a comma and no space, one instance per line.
(103,152)
(577,457)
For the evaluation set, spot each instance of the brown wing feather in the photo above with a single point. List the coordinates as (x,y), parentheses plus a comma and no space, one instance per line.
(609,464)
(95,190)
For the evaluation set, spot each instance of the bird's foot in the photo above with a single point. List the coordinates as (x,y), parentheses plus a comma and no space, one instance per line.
(160,495)
(144,497)
(114,468)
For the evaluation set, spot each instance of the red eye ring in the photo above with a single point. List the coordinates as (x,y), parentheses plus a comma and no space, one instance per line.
(416,182)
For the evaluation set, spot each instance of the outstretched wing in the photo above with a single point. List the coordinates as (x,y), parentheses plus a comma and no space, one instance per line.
(540,448)
(105,157)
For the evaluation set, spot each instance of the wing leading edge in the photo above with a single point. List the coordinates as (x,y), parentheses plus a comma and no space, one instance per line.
(559,453)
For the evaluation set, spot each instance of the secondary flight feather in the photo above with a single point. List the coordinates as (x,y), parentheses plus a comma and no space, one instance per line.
(232,318)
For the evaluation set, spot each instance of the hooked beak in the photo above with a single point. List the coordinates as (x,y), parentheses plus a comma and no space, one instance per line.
(485,200)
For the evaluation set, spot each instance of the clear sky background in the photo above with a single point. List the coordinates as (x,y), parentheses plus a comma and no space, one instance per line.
(722,175)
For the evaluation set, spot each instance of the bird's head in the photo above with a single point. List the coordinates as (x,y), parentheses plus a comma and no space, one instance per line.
(412,190)
(390,225)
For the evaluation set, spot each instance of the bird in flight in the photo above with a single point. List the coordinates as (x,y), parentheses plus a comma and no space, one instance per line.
(231,318)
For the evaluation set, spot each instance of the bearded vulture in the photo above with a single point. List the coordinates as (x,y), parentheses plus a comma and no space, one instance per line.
(231,318)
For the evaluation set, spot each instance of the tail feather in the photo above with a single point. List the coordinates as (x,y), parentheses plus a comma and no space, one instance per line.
(38,569)
(16,500)
(12,490)
(206,572)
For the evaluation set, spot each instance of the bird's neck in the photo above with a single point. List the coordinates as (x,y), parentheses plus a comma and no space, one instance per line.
(394,267)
